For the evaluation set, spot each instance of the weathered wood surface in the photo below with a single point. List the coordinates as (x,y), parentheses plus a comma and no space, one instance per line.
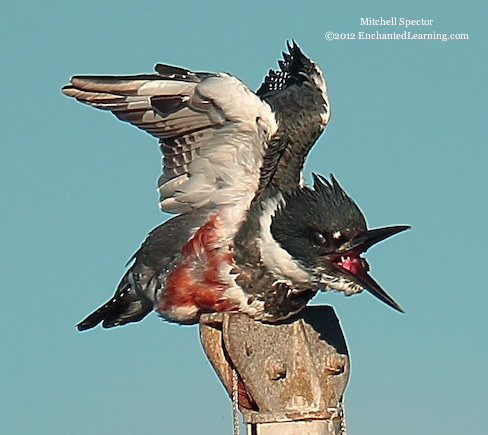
(295,371)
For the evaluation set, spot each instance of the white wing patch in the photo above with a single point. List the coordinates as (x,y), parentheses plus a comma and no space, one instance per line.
(227,169)
(319,81)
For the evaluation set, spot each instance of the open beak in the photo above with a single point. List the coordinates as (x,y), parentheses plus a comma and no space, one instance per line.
(348,259)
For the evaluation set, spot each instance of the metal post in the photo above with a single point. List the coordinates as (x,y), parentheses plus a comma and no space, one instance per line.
(291,375)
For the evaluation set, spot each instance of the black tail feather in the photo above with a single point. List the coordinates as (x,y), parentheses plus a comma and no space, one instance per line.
(125,307)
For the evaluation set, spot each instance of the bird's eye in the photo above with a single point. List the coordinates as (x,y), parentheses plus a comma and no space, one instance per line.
(318,239)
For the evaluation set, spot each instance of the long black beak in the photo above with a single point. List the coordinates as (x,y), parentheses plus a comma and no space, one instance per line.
(367,281)
(361,243)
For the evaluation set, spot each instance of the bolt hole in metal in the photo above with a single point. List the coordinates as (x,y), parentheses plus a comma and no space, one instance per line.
(276,370)
(249,349)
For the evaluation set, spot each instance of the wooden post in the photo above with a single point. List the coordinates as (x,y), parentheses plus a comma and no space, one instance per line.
(291,375)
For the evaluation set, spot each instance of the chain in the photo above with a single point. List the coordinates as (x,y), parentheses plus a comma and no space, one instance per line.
(343,417)
(235,401)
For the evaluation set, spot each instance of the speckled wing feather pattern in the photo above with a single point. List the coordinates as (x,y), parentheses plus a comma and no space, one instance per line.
(213,131)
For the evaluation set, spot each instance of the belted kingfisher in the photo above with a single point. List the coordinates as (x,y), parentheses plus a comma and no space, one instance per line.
(248,235)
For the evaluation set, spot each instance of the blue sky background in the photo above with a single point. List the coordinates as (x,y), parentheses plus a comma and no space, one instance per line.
(407,139)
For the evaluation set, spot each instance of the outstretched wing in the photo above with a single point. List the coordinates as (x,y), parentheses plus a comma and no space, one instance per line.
(298,96)
(213,131)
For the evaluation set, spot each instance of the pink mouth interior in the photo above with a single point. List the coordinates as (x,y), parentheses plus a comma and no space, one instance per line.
(353,265)
(350,261)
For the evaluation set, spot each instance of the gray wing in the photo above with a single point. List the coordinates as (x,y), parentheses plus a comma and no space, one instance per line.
(212,129)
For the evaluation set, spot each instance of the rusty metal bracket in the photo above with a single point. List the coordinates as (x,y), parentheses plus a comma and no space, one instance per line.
(293,372)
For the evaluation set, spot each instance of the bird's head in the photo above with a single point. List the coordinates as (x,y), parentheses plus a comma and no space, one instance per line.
(324,230)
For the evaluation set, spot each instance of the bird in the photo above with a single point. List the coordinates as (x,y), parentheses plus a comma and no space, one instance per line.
(248,236)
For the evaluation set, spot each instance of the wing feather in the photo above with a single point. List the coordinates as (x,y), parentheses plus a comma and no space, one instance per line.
(213,131)
(298,96)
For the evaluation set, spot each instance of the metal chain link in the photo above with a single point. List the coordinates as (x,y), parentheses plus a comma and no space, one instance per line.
(235,401)
(343,418)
